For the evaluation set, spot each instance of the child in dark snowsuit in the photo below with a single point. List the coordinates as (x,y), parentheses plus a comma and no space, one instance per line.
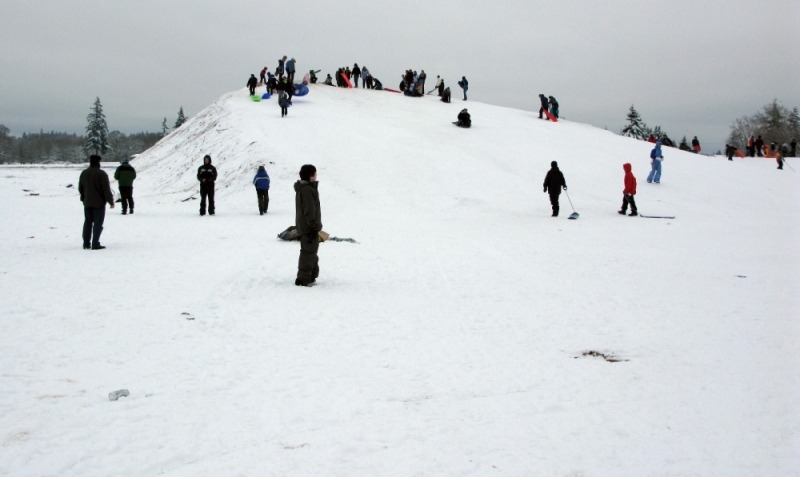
(629,191)
(553,183)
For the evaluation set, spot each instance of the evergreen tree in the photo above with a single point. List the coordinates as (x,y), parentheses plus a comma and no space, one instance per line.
(164,128)
(635,128)
(96,131)
(774,123)
(181,119)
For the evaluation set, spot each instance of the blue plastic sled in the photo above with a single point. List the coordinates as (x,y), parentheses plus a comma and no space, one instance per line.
(300,90)
(265,96)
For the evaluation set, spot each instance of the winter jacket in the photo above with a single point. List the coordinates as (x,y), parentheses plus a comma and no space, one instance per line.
(554,181)
(261,180)
(207,173)
(125,174)
(630,180)
(464,119)
(308,215)
(290,66)
(544,101)
(252,82)
(94,188)
(656,152)
(356,71)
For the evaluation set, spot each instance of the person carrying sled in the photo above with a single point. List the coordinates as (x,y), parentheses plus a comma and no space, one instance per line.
(207,175)
(696,145)
(656,158)
(261,181)
(553,106)
(251,84)
(554,182)
(464,84)
(308,220)
(124,175)
(545,105)
(628,192)
(464,119)
(95,193)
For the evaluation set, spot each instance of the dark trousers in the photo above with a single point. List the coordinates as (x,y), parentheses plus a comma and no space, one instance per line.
(628,199)
(126,193)
(263,200)
(252,90)
(308,264)
(206,190)
(554,201)
(93,218)
(284,111)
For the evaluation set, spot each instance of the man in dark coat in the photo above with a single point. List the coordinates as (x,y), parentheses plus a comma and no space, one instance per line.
(95,193)
(207,175)
(545,105)
(124,175)
(553,183)
(251,84)
(308,220)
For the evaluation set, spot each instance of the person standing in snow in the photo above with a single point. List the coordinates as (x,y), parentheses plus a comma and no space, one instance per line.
(464,84)
(263,77)
(553,183)
(437,86)
(284,101)
(759,145)
(628,192)
(251,84)
(696,145)
(778,155)
(280,69)
(545,105)
(356,74)
(95,192)
(207,175)
(656,158)
(290,70)
(553,106)
(308,221)
(730,151)
(124,175)
(261,181)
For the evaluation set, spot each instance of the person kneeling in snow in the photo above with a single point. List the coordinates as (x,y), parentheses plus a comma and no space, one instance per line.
(464,120)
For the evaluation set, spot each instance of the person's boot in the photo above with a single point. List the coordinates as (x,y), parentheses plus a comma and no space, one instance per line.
(124,212)
(633,214)
(621,212)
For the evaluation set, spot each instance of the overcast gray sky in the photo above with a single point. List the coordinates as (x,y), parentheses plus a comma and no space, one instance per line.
(690,66)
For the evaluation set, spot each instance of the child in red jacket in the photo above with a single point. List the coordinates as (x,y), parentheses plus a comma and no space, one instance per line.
(629,191)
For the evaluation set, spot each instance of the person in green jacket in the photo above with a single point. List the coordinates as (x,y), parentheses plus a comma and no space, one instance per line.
(95,193)
(125,174)
(308,220)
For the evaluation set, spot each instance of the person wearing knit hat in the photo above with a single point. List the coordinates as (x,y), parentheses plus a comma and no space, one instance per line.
(308,221)
(95,193)
(553,183)
(207,175)
(124,175)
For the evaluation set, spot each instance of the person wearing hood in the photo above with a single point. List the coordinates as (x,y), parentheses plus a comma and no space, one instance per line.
(656,157)
(628,192)
(464,119)
(545,105)
(251,84)
(553,183)
(308,221)
(124,175)
(95,192)
(261,181)
(207,175)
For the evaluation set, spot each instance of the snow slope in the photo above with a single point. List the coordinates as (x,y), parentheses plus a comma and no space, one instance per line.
(449,340)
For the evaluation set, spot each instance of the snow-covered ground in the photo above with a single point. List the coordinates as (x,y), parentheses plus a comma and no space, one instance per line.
(461,335)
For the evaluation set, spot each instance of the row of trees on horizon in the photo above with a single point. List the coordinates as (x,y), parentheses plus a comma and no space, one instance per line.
(774,123)
(59,147)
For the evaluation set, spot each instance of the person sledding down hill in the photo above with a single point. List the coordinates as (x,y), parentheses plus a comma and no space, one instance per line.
(464,120)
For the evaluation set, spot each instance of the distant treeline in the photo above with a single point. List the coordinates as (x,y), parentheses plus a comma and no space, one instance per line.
(57,147)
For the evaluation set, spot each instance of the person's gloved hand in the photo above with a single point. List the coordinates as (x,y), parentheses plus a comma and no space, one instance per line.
(565,187)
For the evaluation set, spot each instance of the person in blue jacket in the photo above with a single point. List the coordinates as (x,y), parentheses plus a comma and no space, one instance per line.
(261,181)
(290,71)
(656,157)
(464,84)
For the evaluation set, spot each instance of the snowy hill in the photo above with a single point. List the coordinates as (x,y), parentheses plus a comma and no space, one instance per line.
(466,333)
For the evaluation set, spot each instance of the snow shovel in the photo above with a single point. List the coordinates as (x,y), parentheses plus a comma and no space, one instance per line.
(574,215)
